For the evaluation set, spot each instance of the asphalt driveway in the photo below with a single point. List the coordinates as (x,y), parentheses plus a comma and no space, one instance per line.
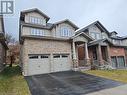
(68,83)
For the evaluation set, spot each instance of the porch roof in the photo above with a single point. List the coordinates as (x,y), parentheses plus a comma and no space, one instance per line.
(99,42)
(83,35)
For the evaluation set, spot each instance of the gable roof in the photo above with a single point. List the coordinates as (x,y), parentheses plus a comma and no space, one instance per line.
(98,24)
(36,10)
(95,42)
(84,34)
(67,21)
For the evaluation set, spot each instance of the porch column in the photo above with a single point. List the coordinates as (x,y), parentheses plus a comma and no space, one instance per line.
(75,61)
(86,55)
(100,55)
(86,51)
(108,55)
(74,51)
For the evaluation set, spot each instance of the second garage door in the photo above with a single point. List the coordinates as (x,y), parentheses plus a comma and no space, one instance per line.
(61,62)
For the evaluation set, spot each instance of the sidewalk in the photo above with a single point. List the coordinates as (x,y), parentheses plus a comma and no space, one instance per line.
(120,90)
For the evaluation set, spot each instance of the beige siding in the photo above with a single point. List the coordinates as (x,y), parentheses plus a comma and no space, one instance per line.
(95,29)
(43,47)
(27,31)
(57,29)
(34,14)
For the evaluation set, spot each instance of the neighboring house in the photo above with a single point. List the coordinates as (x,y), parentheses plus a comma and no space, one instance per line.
(47,47)
(61,46)
(107,47)
(3,45)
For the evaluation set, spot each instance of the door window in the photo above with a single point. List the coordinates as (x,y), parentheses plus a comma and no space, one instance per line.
(56,56)
(33,57)
(64,56)
(44,56)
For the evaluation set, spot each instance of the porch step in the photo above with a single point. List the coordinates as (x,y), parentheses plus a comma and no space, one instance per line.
(84,68)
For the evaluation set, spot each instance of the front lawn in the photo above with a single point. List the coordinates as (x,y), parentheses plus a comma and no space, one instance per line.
(118,75)
(12,82)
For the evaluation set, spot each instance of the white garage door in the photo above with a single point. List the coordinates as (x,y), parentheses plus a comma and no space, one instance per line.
(61,62)
(38,64)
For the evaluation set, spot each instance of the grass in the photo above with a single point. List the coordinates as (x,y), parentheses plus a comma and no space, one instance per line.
(118,75)
(12,82)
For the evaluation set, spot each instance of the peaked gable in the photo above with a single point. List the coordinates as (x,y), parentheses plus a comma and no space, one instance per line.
(98,24)
(69,22)
(36,10)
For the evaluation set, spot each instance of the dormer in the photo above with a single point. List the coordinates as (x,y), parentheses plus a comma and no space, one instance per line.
(34,16)
(96,30)
(113,34)
(64,29)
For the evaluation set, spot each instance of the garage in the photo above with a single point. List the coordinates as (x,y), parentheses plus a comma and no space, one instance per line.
(61,62)
(39,64)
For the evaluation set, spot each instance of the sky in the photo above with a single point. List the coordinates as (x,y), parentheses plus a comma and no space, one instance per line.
(111,13)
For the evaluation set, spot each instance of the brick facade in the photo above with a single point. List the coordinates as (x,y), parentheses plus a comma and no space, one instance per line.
(117,51)
(36,46)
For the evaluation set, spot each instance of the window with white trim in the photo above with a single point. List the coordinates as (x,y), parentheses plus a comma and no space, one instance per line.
(95,35)
(36,20)
(65,32)
(37,32)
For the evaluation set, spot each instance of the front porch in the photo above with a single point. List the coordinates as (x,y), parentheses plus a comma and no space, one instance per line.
(85,55)
(80,40)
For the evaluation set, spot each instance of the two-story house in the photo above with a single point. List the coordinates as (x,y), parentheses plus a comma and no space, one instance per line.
(48,47)
(3,45)
(106,47)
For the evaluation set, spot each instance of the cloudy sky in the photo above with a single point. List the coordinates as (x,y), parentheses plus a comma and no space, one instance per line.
(111,13)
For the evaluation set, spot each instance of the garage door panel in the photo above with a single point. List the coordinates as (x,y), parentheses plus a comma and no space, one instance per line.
(61,62)
(39,65)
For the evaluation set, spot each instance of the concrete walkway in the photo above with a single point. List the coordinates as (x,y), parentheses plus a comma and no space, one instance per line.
(120,90)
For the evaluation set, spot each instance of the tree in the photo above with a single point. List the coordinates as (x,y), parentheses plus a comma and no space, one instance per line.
(10,39)
(13,51)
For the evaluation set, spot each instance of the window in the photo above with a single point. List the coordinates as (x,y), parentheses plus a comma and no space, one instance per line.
(56,56)
(121,61)
(65,32)
(37,32)
(64,56)
(33,57)
(36,20)
(95,35)
(44,56)
(103,37)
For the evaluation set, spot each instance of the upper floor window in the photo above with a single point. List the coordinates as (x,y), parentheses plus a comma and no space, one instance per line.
(65,32)
(36,20)
(103,37)
(95,35)
(37,32)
